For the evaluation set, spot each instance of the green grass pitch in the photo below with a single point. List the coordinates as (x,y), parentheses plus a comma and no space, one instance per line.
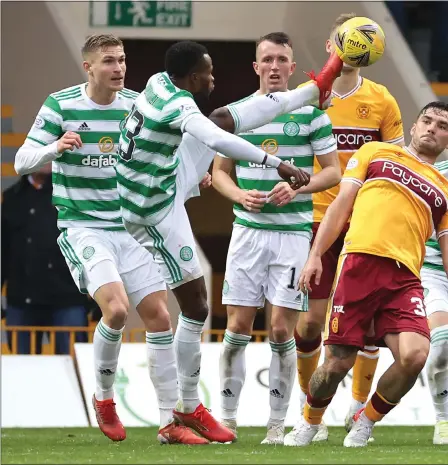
(88,445)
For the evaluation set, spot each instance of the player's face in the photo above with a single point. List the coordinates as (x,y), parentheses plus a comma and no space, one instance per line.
(329,47)
(430,132)
(274,65)
(106,68)
(203,80)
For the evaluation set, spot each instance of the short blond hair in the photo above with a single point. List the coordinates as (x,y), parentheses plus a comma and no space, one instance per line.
(341,19)
(99,41)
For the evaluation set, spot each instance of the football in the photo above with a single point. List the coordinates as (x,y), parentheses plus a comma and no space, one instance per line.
(360,42)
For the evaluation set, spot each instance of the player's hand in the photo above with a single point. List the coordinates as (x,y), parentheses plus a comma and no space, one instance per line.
(313,267)
(294,176)
(327,104)
(206,181)
(282,194)
(69,141)
(253,200)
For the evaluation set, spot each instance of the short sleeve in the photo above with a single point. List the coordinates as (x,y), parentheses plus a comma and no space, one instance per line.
(180,108)
(357,166)
(442,228)
(321,133)
(391,125)
(47,126)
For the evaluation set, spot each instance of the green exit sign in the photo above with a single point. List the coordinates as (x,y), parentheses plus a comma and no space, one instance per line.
(140,14)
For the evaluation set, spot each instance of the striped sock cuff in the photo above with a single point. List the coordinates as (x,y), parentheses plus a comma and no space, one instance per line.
(163,338)
(235,339)
(109,334)
(439,335)
(283,347)
(188,323)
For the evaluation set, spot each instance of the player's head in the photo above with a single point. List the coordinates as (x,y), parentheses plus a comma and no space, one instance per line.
(430,131)
(189,65)
(274,61)
(104,61)
(329,44)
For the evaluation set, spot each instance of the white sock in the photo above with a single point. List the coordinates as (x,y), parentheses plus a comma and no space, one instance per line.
(106,348)
(163,372)
(258,111)
(282,373)
(437,371)
(232,372)
(187,344)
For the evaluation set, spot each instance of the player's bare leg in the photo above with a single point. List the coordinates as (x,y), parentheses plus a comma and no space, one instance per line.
(308,337)
(437,371)
(338,361)
(410,351)
(232,361)
(192,299)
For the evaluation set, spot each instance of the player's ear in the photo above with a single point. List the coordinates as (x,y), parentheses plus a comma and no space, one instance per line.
(412,129)
(86,65)
(256,68)
(293,67)
(328,46)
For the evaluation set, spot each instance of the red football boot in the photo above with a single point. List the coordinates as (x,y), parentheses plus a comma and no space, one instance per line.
(325,79)
(202,422)
(179,434)
(108,420)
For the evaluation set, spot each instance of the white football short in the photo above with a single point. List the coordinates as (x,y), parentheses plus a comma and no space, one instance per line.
(265,264)
(97,257)
(435,287)
(171,241)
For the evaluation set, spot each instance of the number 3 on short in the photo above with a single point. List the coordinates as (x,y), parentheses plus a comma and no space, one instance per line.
(420,308)
(133,124)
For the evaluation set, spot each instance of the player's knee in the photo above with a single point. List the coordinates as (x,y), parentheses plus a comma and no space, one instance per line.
(309,330)
(240,320)
(116,312)
(197,309)
(340,359)
(414,360)
(201,311)
(338,368)
(154,313)
(280,332)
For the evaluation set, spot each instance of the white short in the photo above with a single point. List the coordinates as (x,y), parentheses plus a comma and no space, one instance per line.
(265,264)
(171,242)
(435,287)
(97,257)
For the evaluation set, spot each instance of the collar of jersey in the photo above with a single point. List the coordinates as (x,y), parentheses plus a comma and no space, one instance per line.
(92,104)
(351,92)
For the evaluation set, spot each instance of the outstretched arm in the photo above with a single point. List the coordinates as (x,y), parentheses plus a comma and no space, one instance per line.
(235,147)
(258,111)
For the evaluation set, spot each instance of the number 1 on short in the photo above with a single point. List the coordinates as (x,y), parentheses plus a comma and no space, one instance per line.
(291,285)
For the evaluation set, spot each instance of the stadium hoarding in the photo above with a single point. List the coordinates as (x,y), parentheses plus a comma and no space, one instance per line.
(41,391)
(137,402)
